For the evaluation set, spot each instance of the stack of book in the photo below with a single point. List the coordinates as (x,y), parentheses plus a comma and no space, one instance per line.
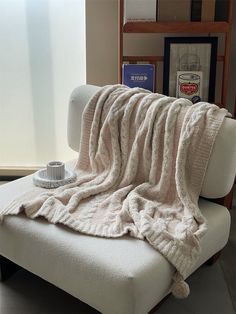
(176,10)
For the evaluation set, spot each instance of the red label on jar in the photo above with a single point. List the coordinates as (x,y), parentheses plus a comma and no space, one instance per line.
(188,88)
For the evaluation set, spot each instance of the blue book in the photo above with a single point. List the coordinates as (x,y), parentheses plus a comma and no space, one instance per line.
(139,75)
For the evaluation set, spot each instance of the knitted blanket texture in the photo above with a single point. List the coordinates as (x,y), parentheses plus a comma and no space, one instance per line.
(141,166)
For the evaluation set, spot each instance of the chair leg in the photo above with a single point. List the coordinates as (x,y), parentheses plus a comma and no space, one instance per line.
(7,268)
(213,259)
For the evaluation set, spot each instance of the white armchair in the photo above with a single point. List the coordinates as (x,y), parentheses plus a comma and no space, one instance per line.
(123,275)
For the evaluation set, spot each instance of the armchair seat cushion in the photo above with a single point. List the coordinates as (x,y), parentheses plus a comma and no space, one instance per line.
(123,275)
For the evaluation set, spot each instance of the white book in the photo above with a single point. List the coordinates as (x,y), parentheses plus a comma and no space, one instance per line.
(140,10)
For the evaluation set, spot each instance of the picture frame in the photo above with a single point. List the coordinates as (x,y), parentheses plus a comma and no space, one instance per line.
(190,54)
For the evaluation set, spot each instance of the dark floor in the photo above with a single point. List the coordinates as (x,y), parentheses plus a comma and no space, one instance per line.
(213,290)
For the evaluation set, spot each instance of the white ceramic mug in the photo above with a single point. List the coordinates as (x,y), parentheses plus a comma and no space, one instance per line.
(55,170)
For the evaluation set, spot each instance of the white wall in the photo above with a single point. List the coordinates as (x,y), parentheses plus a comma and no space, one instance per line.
(42,58)
(101,41)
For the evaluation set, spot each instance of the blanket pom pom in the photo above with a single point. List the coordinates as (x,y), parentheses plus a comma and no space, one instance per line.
(180,289)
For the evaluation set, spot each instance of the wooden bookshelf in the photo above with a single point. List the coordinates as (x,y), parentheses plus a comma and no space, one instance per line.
(176,27)
(206,28)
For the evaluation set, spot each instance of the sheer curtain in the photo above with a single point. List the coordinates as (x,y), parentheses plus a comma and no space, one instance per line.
(42,58)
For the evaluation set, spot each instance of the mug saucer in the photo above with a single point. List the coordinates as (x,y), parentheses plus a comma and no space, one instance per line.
(41,179)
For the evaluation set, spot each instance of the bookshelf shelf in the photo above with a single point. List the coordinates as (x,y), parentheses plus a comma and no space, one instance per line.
(206,28)
(176,27)
(154,59)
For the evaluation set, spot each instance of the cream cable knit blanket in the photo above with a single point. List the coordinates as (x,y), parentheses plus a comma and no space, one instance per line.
(140,171)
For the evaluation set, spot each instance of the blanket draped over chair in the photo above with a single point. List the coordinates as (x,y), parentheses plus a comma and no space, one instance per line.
(141,165)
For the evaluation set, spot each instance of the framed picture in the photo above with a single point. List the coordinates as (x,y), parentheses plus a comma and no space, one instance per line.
(190,61)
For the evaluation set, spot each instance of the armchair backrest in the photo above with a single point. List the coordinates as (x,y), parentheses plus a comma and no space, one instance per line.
(221,169)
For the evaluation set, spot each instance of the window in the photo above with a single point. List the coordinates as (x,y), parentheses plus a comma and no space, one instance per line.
(42,59)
